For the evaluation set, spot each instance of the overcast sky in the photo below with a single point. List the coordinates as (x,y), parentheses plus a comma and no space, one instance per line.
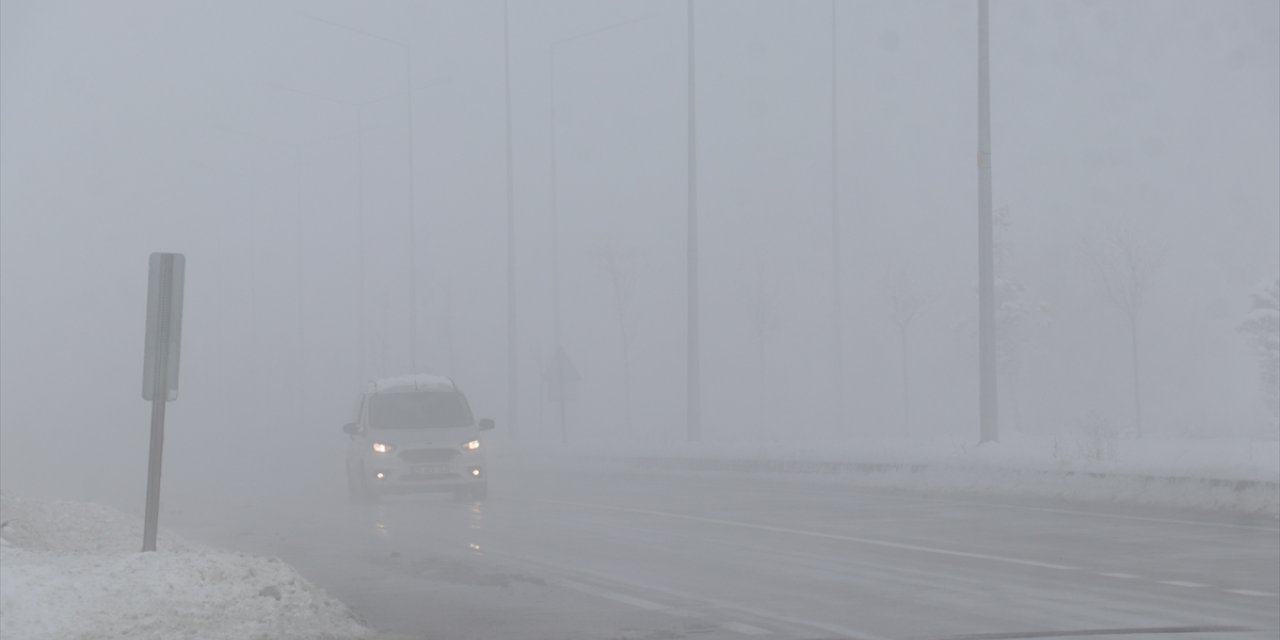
(255,137)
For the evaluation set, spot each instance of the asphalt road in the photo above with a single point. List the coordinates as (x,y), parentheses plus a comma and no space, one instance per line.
(599,554)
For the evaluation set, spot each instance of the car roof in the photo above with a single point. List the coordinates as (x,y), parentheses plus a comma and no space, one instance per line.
(418,382)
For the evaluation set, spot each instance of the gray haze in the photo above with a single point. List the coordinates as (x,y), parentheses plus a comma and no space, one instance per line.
(254,136)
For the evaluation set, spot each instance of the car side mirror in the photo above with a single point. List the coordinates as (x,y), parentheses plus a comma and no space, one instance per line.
(351,429)
(486,424)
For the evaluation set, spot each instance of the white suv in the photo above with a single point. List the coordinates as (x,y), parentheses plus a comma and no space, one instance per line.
(415,433)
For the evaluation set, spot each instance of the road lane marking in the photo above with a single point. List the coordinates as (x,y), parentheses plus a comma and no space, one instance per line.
(1256,594)
(841,631)
(904,546)
(826,536)
(639,603)
(1098,514)
(745,629)
(1074,633)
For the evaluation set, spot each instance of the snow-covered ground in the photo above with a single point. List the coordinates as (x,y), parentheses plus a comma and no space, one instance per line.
(1236,474)
(72,570)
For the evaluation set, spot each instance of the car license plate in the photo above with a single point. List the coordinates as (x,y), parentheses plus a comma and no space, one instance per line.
(432,469)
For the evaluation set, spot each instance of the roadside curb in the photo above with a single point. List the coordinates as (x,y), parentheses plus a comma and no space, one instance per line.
(826,467)
(1179,491)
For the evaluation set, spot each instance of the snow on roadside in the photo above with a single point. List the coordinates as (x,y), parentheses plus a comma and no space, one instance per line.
(1224,459)
(73,570)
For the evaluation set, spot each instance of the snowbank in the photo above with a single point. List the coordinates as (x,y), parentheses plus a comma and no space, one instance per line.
(1222,459)
(73,570)
(1239,475)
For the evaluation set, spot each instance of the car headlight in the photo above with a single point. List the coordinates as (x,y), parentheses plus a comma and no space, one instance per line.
(379,447)
(471,446)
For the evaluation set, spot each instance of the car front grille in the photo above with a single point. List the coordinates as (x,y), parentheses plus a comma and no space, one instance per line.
(414,456)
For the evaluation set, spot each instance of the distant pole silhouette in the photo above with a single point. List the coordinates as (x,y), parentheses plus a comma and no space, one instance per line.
(513,337)
(837,328)
(693,387)
(555,215)
(413,220)
(989,429)
(363,301)
(556,336)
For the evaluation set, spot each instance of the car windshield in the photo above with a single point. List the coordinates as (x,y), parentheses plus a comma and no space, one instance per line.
(419,410)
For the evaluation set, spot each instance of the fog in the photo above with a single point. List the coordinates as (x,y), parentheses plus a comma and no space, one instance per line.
(318,162)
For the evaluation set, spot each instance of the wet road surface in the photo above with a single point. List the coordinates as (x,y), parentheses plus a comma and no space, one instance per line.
(601,554)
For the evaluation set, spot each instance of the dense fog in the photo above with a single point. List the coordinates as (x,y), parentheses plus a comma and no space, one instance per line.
(335,174)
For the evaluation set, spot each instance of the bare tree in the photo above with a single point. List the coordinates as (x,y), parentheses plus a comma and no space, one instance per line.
(1013,311)
(620,264)
(1262,326)
(766,317)
(904,307)
(1125,266)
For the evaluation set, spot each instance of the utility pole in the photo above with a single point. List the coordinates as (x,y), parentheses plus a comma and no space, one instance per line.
(555,258)
(413,207)
(693,389)
(987,408)
(299,382)
(413,219)
(513,371)
(837,325)
(363,301)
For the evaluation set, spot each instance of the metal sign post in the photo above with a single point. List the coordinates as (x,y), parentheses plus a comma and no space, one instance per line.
(160,368)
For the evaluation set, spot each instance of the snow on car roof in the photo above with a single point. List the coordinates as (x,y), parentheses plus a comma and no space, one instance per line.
(419,382)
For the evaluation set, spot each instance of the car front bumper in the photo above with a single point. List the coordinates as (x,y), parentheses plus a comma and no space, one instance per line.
(424,469)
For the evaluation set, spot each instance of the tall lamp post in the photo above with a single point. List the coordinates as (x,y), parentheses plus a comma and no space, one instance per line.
(988,427)
(513,337)
(556,336)
(413,205)
(837,326)
(693,374)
